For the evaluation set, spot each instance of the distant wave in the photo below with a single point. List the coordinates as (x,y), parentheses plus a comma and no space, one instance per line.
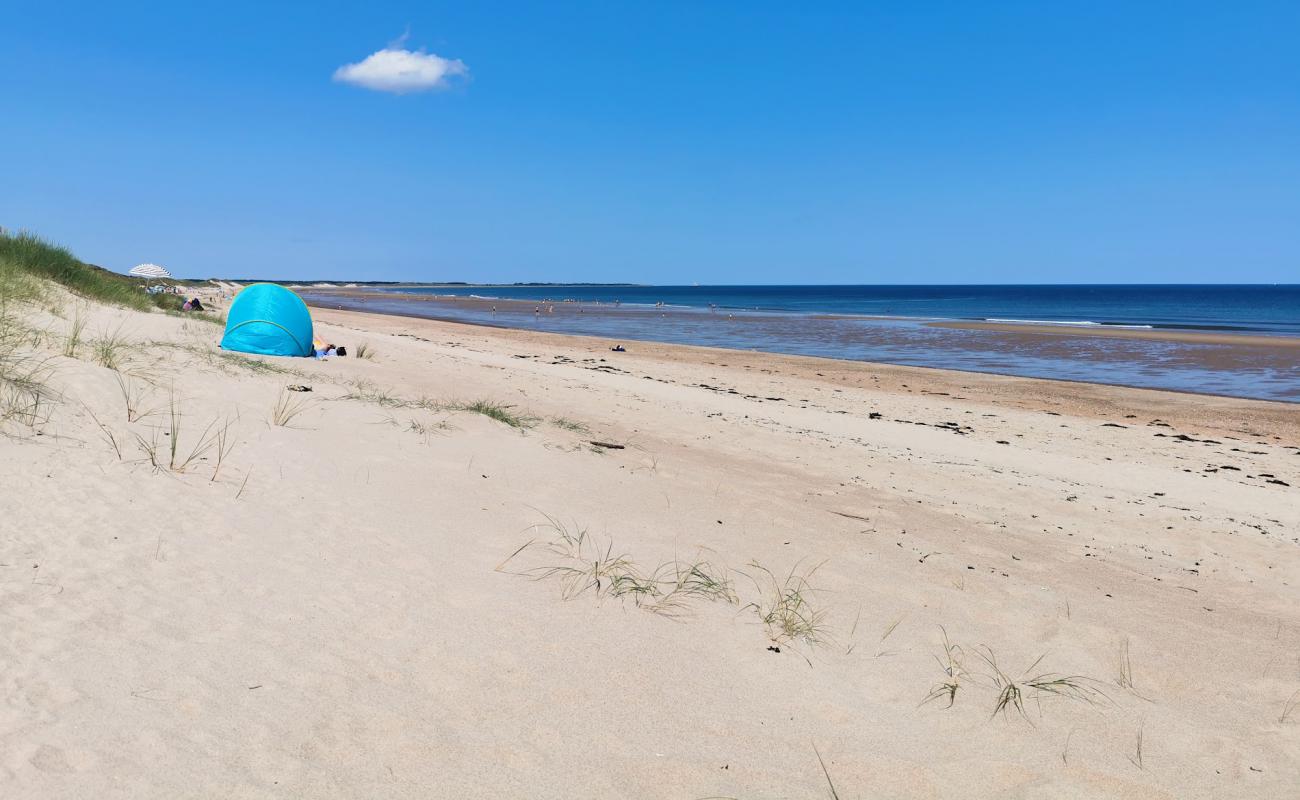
(1082,323)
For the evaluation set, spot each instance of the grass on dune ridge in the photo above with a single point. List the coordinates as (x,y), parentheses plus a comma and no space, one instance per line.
(26,258)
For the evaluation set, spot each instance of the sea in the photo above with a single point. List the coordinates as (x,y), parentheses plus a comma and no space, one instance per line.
(897,324)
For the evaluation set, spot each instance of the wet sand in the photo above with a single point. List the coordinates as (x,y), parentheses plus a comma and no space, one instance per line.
(1258,367)
(1189,337)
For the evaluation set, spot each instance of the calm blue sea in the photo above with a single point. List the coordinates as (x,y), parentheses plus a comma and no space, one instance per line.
(890,324)
(1239,308)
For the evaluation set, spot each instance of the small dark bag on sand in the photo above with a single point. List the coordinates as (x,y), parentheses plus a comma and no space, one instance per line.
(340,351)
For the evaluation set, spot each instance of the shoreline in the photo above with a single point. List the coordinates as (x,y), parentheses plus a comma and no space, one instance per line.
(1137,329)
(1103,401)
(1026,333)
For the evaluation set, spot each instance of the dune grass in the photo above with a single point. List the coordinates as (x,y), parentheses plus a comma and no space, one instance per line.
(573,426)
(149,447)
(257,366)
(230,363)
(224,444)
(580,564)
(170,455)
(40,259)
(76,326)
(830,784)
(110,349)
(498,411)
(287,408)
(1136,758)
(368,392)
(1288,707)
(25,395)
(133,397)
(1012,691)
(952,662)
(106,432)
(787,605)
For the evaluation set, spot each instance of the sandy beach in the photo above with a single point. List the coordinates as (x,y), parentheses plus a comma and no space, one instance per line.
(796,573)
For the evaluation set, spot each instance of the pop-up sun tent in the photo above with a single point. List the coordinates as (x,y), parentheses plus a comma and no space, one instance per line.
(268,319)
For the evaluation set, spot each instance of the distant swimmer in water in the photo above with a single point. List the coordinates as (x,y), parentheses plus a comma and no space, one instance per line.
(494,309)
(537,309)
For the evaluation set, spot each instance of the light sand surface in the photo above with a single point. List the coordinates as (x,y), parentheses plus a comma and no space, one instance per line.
(336,613)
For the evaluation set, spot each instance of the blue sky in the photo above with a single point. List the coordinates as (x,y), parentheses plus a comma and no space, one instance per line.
(718,142)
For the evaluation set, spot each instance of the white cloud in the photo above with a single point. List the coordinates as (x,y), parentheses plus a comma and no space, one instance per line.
(398,70)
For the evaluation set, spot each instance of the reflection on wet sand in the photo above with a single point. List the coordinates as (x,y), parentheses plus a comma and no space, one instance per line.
(1241,366)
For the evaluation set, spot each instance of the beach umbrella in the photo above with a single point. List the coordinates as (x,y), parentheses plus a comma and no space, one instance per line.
(149,271)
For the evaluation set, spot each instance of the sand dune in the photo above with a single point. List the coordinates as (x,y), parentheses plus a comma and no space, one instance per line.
(336,611)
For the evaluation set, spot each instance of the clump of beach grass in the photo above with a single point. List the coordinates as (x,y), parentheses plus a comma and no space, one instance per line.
(25,395)
(229,363)
(678,583)
(787,605)
(149,447)
(426,428)
(109,350)
(1124,670)
(364,350)
(1124,678)
(952,662)
(287,408)
(1288,707)
(573,426)
(368,392)
(17,285)
(205,441)
(1011,691)
(172,456)
(581,564)
(24,399)
(703,579)
(224,445)
(255,365)
(106,432)
(72,343)
(202,316)
(500,412)
(1136,758)
(133,397)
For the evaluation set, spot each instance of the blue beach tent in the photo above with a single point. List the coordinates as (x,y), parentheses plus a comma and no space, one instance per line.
(268,319)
